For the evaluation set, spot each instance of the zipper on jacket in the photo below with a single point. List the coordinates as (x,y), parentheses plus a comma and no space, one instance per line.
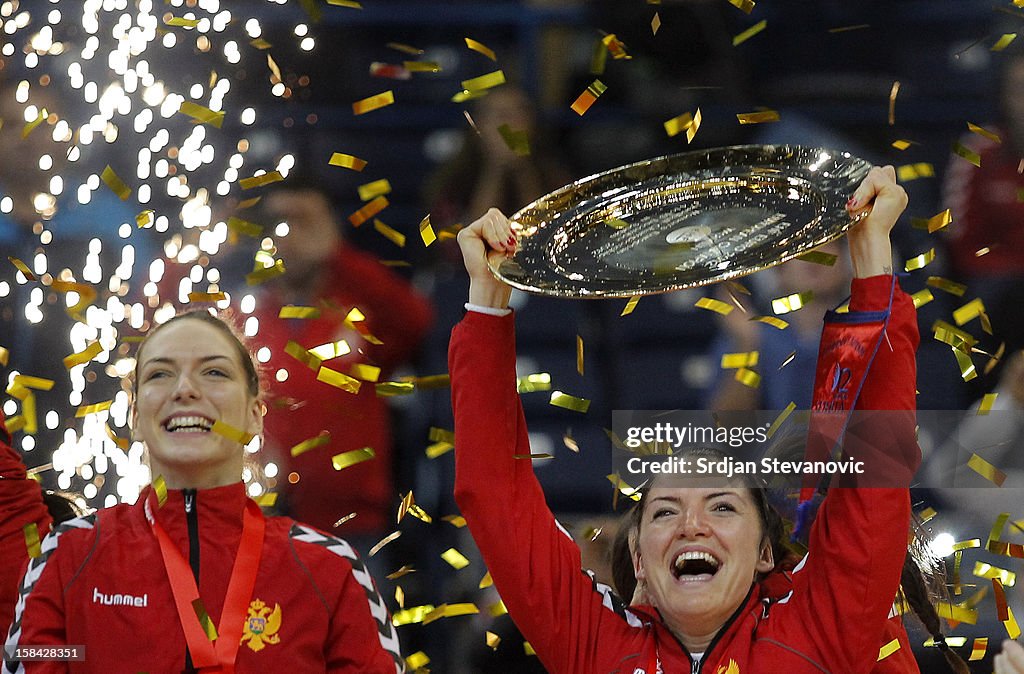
(192,522)
(696,665)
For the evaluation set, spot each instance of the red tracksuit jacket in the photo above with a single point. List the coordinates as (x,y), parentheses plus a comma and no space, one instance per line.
(834,620)
(101,582)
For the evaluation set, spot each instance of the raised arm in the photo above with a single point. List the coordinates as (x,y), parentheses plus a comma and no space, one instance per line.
(535,566)
(858,541)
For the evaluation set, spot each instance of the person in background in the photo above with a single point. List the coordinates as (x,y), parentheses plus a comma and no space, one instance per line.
(324,271)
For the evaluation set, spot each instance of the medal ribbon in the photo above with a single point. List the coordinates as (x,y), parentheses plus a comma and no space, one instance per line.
(219,655)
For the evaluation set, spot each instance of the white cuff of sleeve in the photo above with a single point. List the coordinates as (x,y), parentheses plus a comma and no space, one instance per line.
(490,311)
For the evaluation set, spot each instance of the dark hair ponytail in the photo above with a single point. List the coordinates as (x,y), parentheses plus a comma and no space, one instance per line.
(915,591)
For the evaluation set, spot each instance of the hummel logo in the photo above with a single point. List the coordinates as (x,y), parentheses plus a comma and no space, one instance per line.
(118,599)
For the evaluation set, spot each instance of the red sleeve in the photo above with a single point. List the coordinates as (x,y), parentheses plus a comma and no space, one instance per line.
(356,642)
(21,503)
(846,586)
(535,566)
(395,312)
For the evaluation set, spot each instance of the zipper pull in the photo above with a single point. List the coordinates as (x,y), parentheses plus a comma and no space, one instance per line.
(696,666)
(189,500)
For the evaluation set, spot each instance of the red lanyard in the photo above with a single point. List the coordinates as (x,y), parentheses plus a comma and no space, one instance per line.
(218,655)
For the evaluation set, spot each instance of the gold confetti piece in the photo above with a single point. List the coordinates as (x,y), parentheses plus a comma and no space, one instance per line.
(952,642)
(1006,578)
(967,153)
(749,33)
(420,514)
(83,356)
(275,72)
(1000,597)
(267,500)
(310,360)
(4,356)
(427,232)
(598,57)
(921,298)
(465,95)
(527,648)
(622,488)
(818,257)
(201,114)
(762,117)
(30,126)
(978,649)
(318,440)
(987,401)
(160,487)
(347,161)
(966,365)
(748,377)
(486,581)
(265,274)
(145,218)
(457,521)
(422,66)
(338,380)
(328,351)
(455,558)
(368,211)
(400,596)
(206,297)
(677,124)
(204,619)
(533,457)
(492,639)
(260,43)
(958,613)
(480,48)
(16,423)
(412,615)
(986,470)
(352,4)
(745,5)
(969,311)
(1004,41)
(776,323)
(114,182)
(373,189)
(731,361)
(438,449)
(794,302)
(248,203)
(892,102)
(955,337)
(958,556)
(484,82)
(615,46)
(387,389)
(630,305)
(180,21)
(966,545)
(1012,628)
(587,98)
(27,381)
(260,180)
(351,458)
(404,571)
(779,420)
(403,507)
(531,383)
(655,24)
(888,649)
(31,531)
(910,172)
(387,539)
(927,514)
(244,227)
(843,29)
(920,261)
(718,306)
(579,355)
(515,139)
(231,433)
(974,128)
(86,294)
(344,519)
(389,233)
(23,267)
(901,144)
(85,410)
(293,311)
(365,372)
(566,401)
(934,223)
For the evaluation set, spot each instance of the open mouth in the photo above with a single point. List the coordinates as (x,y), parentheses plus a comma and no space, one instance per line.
(695,565)
(188,424)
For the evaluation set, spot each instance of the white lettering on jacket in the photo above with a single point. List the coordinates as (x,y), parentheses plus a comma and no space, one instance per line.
(118,599)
